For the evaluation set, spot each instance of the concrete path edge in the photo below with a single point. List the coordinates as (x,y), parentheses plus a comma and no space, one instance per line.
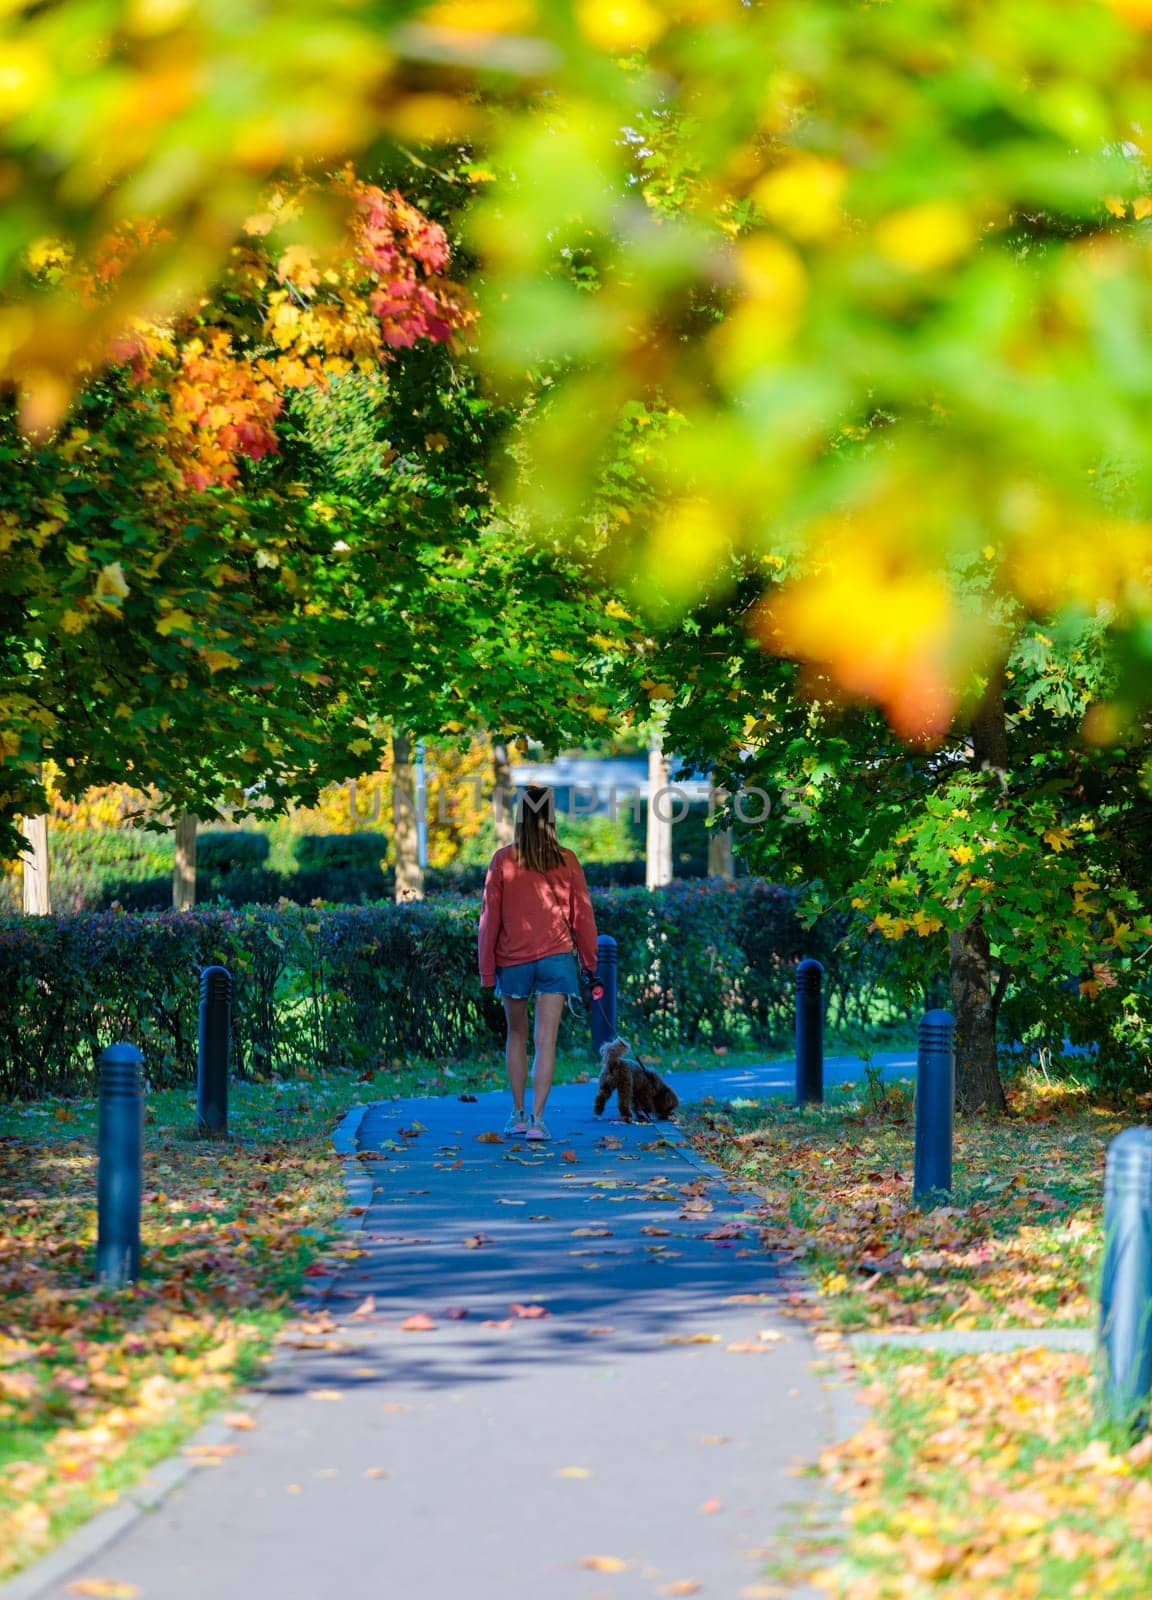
(159,1481)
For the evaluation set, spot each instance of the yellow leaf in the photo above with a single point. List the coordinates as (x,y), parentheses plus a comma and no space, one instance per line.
(620,25)
(1058,838)
(111,584)
(1142,207)
(73,621)
(217,660)
(1115,206)
(803,196)
(171,621)
(925,237)
(573,1472)
(962,854)
(605,1564)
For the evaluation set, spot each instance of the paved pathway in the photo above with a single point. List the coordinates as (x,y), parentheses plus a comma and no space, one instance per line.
(638,1437)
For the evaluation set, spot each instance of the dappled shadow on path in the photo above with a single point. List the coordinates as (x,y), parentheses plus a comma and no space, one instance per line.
(623,1240)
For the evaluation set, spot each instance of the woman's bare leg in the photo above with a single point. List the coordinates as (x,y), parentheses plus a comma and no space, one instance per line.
(516,1049)
(549,1010)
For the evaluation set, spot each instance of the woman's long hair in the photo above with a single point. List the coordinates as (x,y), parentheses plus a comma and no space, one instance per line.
(537,846)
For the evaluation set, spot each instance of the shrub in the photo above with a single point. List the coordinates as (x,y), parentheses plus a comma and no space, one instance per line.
(320,852)
(227,850)
(355,985)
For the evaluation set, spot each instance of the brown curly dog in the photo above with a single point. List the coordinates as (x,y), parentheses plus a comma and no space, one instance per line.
(642,1095)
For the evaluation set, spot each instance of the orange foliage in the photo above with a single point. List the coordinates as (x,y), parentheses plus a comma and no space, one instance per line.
(314,312)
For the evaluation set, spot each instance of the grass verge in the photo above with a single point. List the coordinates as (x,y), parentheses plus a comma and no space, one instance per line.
(1018,1246)
(98,1385)
(977,1475)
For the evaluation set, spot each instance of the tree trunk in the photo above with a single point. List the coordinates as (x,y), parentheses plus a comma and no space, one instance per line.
(658,861)
(978,1086)
(184,865)
(975,1001)
(405,839)
(503,795)
(37,895)
(720,863)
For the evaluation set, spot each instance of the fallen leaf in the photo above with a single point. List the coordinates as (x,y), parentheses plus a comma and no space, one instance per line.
(682,1586)
(770,1335)
(456,1313)
(212,1453)
(654,1232)
(573,1472)
(592,1333)
(325,1394)
(477,1241)
(716,1438)
(605,1564)
(692,1338)
(528,1311)
(377,1472)
(104,1587)
(418,1322)
(243,1421)
(493,1322)
(489,1138)
(568,1155)
(366,1307)
(591,1233)
(748,1347)
(709,1508)
(469,1099)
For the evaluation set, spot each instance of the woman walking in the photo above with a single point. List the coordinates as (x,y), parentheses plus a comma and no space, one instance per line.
(535,923)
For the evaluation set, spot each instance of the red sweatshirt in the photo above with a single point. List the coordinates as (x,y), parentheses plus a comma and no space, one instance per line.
(522,914)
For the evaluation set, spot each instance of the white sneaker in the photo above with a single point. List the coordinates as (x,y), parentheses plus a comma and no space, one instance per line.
(537,1128)
(517,1124)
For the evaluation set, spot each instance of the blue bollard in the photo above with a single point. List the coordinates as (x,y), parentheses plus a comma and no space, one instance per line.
(119,1141)
(809,1034)
(1125,1332)
(935,1107)
(602,1005)
(212,1061)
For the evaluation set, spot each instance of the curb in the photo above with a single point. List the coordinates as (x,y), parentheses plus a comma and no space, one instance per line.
(159,1481)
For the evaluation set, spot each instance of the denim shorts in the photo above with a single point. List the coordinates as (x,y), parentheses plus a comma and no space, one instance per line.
(549,975)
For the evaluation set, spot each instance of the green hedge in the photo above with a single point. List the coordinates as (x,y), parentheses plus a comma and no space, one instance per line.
(350,986)
(231,850)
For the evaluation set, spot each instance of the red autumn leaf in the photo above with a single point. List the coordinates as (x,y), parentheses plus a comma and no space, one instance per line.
(568,1155)
(470,1099)
(418,1322)
(456,1313)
